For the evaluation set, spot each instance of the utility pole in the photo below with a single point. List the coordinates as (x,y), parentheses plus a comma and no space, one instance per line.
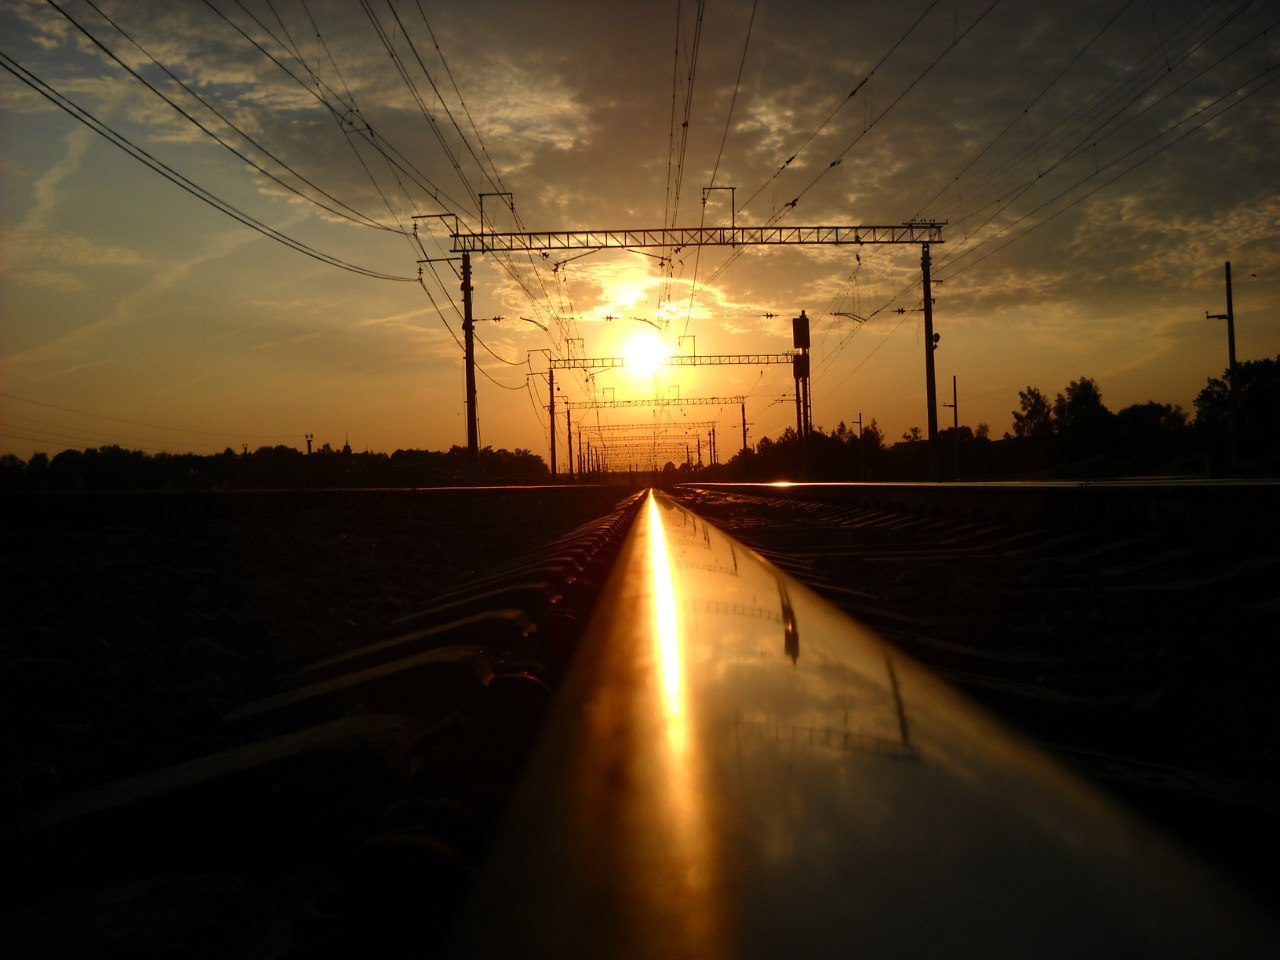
(310,437)
(469,349)
(568,435)
(923,232)
(930,344)
(551,414)
(801,369)
(955,424)
(862,454)
(1232,386)
(744,428)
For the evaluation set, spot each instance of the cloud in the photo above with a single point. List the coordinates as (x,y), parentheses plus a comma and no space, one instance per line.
(74,368)
(46,279)
(580,109)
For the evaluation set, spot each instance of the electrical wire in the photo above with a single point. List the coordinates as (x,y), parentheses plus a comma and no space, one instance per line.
(190,186)
(790,205)
(144,423)
(1095,136)
(841,105)
(675,161)
(352,214)
(1239,94)
(785,208)
(498,357)
(1034,100)
(346,117)
(715,169)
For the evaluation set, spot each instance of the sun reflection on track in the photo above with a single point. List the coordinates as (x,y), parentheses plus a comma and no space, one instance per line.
(666,631)
(689,833)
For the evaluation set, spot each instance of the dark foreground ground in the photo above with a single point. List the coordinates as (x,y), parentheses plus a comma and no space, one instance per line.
(134,625)
(1146,661)
(131,624)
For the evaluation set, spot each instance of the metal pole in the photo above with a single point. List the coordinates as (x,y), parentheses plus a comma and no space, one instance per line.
(862,454)
(931,397)
(469,349)
(955,425)
(1231,369)
(551,410)
(744,427)
(1232,386)
(808,404)
(568,436)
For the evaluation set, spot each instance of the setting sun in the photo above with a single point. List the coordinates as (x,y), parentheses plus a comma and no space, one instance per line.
(644,353)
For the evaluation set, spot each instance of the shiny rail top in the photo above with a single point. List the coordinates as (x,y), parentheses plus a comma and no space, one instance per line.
(735,768)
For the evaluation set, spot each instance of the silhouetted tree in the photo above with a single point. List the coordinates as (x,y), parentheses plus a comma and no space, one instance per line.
(873,436)
(1153,436)
(1258,398)
(1036,417)
(1082,423)
(13,472)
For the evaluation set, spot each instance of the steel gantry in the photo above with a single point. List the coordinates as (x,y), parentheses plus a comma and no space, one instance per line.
(922,232)
(608,363)
(646,429)
(633,453)
(656,402)
(677,237)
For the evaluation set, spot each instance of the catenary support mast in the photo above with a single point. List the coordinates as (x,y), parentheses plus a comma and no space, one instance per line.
(922,232)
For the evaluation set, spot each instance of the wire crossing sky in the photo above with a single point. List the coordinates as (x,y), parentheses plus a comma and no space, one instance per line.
(228,223)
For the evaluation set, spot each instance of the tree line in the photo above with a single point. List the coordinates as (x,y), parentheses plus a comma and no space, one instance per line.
(278,467)
(1072,435)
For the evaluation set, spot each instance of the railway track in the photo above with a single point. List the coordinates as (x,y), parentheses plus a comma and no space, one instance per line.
(344,809)
(1140,659)
(347,811)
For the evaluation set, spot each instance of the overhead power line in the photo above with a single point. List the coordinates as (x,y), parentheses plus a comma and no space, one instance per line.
(347,212)
(147,424)
(173,176)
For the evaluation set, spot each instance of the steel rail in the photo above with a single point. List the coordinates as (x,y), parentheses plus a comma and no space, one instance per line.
(735,768)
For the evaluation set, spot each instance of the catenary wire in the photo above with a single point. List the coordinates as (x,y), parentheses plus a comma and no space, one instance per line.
(190,186)
(350,213)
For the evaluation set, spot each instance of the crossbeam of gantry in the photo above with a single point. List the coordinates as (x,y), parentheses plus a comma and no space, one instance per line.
(682,360)
(922,233)
(646,445)
(679,360)
(650,428)
(655,402)
(640,453)
(678,237)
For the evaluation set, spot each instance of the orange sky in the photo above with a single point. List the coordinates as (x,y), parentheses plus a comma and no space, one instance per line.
(1096,167)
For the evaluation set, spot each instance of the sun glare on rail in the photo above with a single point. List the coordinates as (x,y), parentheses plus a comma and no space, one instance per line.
(666,628)
(685,829)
